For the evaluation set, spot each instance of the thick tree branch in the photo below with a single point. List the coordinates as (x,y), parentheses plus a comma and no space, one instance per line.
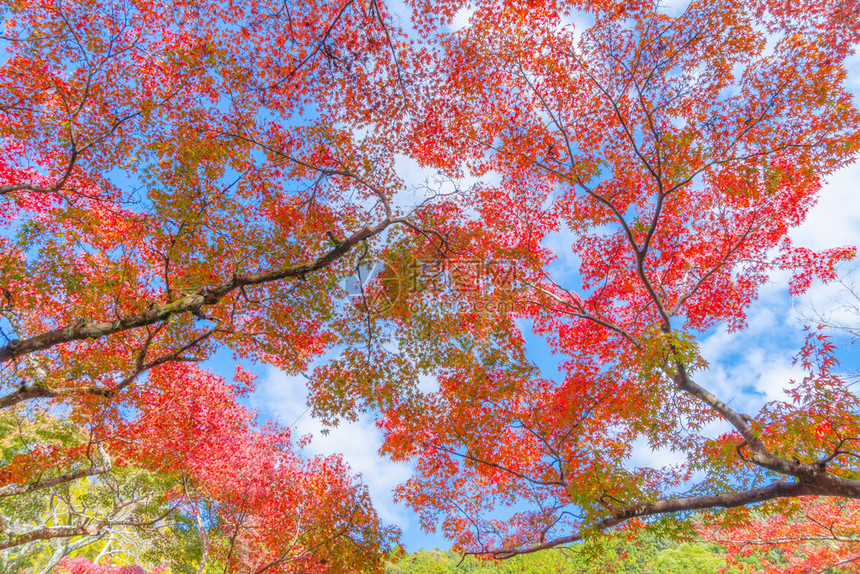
(807,473)
(51,532)
(91,528)
(192,303)
(682,504)
(41,391)
(96,468)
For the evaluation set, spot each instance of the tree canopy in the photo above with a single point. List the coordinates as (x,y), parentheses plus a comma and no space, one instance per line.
(192,177)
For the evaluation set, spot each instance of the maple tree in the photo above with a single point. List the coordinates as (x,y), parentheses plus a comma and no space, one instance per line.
(671,155)
(177,178)
(811,536)
(181,178)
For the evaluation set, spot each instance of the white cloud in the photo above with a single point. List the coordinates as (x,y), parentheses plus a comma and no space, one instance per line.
(674,7)
(284,398)
(642,455)
(579,20)
(565,269)
(752,367)
(428,384)
(852,80)
(461,18)
(835,219)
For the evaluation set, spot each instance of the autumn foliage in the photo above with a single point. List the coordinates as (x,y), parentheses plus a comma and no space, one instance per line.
(671,155)
(164,196)
(186,178)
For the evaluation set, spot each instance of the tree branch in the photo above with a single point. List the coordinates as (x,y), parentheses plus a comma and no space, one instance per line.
(682,504)
(95,469)
(192,303)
